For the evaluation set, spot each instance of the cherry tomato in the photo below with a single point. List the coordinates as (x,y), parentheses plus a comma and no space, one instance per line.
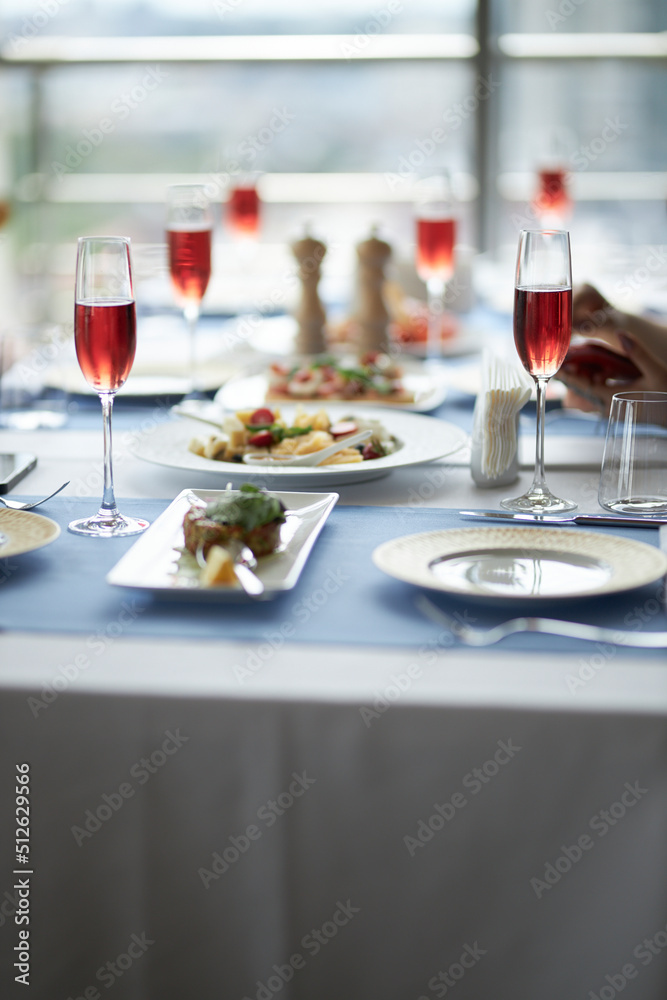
(262,416)
(370,451)
(263,439)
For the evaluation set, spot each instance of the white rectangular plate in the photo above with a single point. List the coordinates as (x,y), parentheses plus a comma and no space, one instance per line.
(151,563)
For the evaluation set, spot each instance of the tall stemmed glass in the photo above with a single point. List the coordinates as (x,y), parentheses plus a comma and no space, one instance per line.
(436,236)
(105,336)
(189,238)
(542,330)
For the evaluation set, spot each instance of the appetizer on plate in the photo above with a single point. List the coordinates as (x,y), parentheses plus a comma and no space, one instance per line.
(371,377)
(250,516)
(265,432)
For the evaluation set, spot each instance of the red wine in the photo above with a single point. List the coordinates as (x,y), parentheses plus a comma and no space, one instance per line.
(190,261)
(105,335)
(435,248)
(553,196)
(542,328)
(243,211)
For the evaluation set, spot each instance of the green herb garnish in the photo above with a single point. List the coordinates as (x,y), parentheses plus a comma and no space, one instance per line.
(250,508)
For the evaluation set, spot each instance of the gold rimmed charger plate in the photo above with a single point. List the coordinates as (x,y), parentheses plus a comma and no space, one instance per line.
(22,531)
(518,563)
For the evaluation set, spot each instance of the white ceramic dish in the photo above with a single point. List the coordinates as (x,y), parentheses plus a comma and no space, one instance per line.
(22,531)
(516,563)
(421,438)
(152,562)
(249,390)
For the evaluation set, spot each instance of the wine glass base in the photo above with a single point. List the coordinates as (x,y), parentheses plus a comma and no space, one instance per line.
(542,502)
(107,526)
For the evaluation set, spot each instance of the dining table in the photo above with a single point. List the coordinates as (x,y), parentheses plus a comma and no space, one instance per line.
(325,794)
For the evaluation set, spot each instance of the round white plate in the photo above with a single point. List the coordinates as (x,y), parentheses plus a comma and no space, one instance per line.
(22,531)
(519,563)
(422,439)
(249,390)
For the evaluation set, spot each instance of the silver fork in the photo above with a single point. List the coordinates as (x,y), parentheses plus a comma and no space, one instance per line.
(18,505)
(473,636)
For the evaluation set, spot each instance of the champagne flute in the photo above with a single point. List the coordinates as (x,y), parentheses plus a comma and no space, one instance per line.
(542,330)
(105,338)
(436,236)
(243,209)
(189,238)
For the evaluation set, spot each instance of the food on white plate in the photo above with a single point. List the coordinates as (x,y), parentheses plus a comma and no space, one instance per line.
(250,516)
(408,321)
(373,376)
(265,432)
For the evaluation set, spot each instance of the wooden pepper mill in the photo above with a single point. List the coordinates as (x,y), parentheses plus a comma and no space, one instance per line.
(310,314)
(372,317)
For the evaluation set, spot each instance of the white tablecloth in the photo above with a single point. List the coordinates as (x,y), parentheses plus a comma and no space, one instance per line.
(262,839)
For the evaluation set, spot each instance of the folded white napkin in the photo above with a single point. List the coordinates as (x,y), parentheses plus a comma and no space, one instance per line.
(505,389)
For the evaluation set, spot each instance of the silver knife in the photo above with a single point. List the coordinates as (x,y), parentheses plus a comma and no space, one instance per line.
(608,519)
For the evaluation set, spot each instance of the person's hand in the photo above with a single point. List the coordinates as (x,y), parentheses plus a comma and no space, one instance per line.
(593,316)
(586,394)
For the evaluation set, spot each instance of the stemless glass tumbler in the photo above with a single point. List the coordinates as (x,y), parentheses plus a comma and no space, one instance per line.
(634,466)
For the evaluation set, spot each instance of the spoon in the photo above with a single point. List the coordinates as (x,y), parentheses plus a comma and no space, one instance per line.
(313,458)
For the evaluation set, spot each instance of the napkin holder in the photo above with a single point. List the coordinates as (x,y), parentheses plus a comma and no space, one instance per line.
(494,459)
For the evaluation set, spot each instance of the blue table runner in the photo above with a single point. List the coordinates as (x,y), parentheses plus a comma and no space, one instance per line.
(341,596)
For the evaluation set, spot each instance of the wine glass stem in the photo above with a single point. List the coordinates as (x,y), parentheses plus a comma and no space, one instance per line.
(435,289)
(108,500)
(191,317)
(539,480)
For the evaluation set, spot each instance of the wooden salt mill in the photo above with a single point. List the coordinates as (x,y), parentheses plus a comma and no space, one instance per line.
(310,314)
(372,317)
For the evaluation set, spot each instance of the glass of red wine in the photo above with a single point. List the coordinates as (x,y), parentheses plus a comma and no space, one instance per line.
(189,240)
(105,336)
(436,236)
(542,330)
(552,203)
(243,210)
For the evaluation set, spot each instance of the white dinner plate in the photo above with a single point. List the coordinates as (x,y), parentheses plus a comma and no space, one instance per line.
(249,390)
(153,561)
(519,563)
(421,439)
(22,531)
